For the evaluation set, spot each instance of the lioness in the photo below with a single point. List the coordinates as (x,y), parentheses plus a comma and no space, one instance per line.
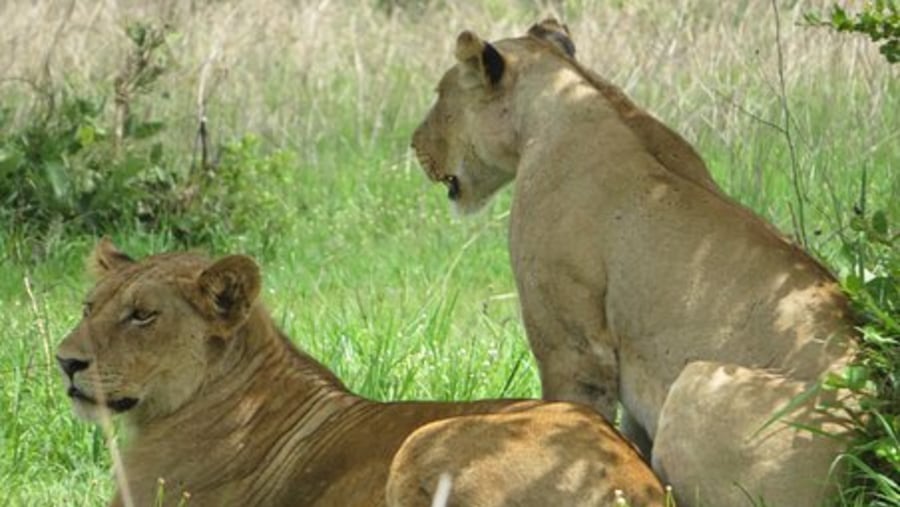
(640,281)
(220,405)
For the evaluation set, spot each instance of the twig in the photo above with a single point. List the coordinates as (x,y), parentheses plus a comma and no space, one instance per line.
(43,93)
(42,326)
(799,220)
(140,70)
(35,87)
(747,112)
(203,94)
(202,131)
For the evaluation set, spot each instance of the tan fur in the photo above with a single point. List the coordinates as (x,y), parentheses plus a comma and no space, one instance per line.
(639,279)
(223,407)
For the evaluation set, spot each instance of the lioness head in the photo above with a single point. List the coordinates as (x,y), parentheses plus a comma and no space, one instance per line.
(469,140)
(153,331)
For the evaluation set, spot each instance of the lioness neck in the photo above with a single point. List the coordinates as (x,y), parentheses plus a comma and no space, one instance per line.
(588,132)
(223,437)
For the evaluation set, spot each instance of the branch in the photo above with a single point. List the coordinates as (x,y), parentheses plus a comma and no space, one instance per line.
(202,132)
(799,219)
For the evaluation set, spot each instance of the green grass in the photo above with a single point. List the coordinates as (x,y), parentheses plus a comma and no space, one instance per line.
(342,284)
(368,270)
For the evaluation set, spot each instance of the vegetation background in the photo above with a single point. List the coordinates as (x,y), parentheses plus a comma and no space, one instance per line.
(303,163)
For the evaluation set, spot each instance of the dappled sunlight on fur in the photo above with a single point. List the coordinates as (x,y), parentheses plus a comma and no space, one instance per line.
(634,269)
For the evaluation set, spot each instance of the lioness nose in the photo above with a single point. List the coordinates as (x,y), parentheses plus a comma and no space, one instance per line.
(71,366)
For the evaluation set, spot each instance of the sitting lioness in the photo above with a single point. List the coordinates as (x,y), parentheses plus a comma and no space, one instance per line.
(640,282)
(223,408)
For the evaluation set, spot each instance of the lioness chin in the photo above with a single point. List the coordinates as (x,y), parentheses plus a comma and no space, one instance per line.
(221,406)
(640,281)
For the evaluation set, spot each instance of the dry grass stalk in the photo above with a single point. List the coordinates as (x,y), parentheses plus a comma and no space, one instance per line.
(40,322)
(283,57)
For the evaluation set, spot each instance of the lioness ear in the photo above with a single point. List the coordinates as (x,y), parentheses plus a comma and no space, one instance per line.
(480,58)
(106,259)
(555,33)
(229,288)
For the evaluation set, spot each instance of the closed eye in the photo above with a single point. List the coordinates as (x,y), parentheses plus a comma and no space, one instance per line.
(141,318)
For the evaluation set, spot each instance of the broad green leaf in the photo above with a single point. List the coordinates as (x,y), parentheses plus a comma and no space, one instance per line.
(59,180)
(856,376)
(853,283)
(10,159)
(86,135)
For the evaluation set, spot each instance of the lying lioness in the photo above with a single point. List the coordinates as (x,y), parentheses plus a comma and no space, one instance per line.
(640,281)
(221,406)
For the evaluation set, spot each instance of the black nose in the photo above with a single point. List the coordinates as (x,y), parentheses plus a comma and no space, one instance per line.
(71,366)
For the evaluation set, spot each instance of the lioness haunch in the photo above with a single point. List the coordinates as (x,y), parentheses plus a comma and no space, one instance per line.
(640,281)
(222,406)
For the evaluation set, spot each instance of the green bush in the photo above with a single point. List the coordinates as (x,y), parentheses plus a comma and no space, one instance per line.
(64,169)
(870,249)
(873,285)
(64,166)
(880,20)
(236,200)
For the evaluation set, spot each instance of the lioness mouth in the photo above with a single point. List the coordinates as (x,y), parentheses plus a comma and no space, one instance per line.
(435,174)
(119,405)
(452,183)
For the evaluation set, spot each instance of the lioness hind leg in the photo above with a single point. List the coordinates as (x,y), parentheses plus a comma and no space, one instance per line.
(714,446)
(575,353)
(574,368)
(550,455)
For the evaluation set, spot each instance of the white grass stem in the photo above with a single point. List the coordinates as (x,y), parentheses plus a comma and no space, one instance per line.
(442,493)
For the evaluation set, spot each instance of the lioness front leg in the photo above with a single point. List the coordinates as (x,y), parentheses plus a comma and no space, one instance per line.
(575,364)
(579,376)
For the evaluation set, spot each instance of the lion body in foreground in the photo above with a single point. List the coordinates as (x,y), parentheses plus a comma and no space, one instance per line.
(223,408)
(640,282)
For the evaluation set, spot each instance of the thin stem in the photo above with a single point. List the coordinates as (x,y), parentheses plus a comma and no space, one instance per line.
(799,220)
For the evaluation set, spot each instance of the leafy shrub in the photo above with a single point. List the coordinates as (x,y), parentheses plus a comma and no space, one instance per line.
(62,166)
(66,169)
(880,20)
(236,199)
(873,284)
(874,289)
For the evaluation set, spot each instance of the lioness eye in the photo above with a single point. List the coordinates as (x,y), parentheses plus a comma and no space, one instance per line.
(141,317)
